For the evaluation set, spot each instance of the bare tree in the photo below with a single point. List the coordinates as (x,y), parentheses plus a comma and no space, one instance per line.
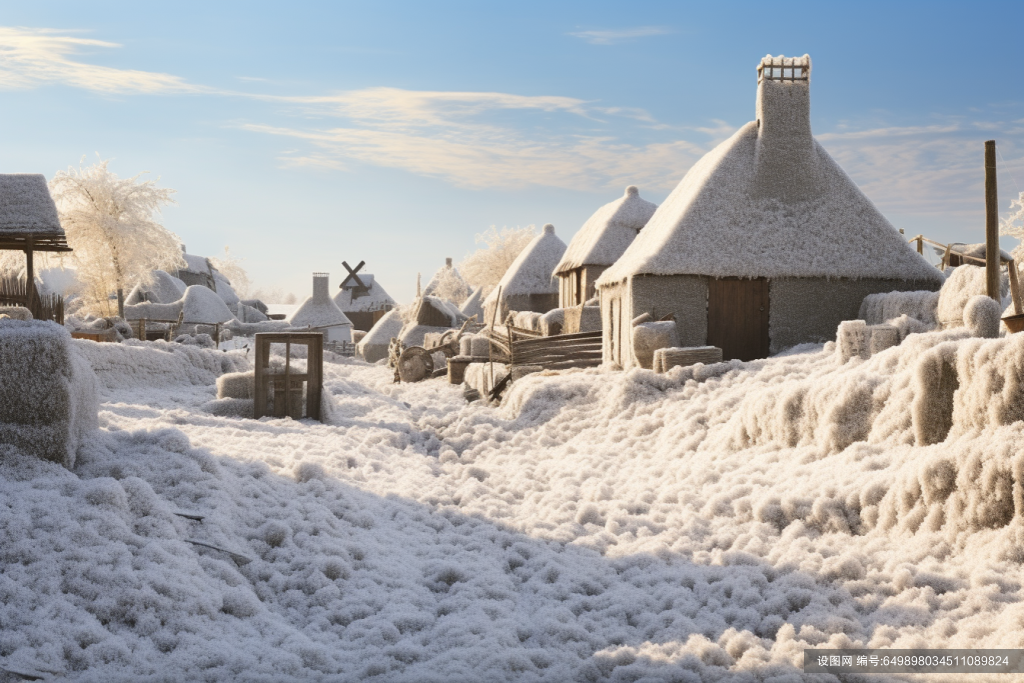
(485,266)
(110,224)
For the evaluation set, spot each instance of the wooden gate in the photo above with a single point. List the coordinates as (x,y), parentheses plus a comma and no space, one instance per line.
(738,317)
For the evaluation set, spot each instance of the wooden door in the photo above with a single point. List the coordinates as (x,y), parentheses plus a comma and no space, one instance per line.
(738,317)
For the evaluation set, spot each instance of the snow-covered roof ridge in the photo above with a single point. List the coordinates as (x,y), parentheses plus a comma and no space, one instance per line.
(319,310)
(771,202)
(26,206)
(374,298)
(608,232)
(533,271)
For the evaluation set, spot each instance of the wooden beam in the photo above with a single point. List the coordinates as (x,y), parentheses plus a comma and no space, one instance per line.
(991,223)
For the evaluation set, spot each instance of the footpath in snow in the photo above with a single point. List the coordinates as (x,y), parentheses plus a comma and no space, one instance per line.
(703,525)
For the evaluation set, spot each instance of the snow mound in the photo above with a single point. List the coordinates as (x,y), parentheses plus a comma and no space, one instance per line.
(962,284)
(152,365)
(881,308)
(202,305)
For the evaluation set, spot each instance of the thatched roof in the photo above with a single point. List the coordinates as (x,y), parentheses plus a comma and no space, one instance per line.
(608,233)
(771,202)
(27,211)
(533,271)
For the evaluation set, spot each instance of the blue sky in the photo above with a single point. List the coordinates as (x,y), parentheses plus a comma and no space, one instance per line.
(304,134)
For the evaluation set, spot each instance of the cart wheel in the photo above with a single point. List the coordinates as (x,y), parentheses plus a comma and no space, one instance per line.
(415,364)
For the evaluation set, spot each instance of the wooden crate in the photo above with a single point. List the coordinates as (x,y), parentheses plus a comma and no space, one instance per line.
(285,393)
(666,359)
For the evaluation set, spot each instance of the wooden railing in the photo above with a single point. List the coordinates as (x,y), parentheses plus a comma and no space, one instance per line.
(1011,266)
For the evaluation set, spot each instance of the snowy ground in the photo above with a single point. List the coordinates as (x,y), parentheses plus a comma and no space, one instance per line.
(703,525)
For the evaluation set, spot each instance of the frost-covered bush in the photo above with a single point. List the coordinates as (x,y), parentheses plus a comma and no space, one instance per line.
(485,267)
(48,401)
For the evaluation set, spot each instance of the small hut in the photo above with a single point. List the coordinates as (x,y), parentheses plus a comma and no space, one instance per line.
(764,244)
(363,301)
(529,284)
(599,244)
(374,346)
(320,314)
(29,223)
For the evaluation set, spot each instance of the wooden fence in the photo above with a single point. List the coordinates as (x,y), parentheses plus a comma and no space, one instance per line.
(14,292)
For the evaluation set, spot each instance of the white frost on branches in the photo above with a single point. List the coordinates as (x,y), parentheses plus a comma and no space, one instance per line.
(110,223)
(485,266)
(231,267)
(1013,226)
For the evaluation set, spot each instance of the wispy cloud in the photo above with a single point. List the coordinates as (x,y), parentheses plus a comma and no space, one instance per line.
(457,136)
(32,56)
(932,169)
(612,36)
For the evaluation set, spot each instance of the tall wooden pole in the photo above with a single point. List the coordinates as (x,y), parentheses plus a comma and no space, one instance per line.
(991,223)
(30,276)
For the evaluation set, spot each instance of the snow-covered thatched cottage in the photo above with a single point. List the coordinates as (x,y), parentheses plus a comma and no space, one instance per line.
(529,284)
(599,244)
(764,244)
(319,313)
(448,283)
(363,301)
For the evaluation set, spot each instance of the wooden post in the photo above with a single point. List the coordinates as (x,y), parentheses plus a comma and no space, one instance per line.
(30,276)
(120,303)
(920,245)
(991,223)
(1011,268)
(142,329)
(494,315)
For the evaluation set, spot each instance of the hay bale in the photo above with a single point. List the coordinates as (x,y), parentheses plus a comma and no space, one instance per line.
(882,337)
(237,385)
(16,312)
(552,322)
(982,316)
(935,383)
(964,283)
(48,401)
(648,337)
(853,340)
(668,358)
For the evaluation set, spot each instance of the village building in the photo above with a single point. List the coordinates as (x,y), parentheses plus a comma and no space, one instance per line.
(319,313)
(599,244)
(474,305)
(363,301)
(529,284)
(764,244)
(29,223)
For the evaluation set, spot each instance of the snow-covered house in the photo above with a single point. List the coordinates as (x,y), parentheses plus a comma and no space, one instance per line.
(529,284)
(474,305)
(29,223)
(448,283)
(599,244)
(764,244)
(363,301)
(197,271)
(319,313)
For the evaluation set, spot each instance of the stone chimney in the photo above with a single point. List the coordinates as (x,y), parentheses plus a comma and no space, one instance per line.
(786,154)
(448,262)
(320,290)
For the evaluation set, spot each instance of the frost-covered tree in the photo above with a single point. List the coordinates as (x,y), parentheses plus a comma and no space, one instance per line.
(1013,226)
(233,270)
(485,266)
(111,225)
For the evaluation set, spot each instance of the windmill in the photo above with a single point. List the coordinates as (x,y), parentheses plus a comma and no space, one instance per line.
(352,282)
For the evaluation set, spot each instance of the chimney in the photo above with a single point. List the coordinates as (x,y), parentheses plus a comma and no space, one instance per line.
(320,292)
(448,262)
(786,154)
